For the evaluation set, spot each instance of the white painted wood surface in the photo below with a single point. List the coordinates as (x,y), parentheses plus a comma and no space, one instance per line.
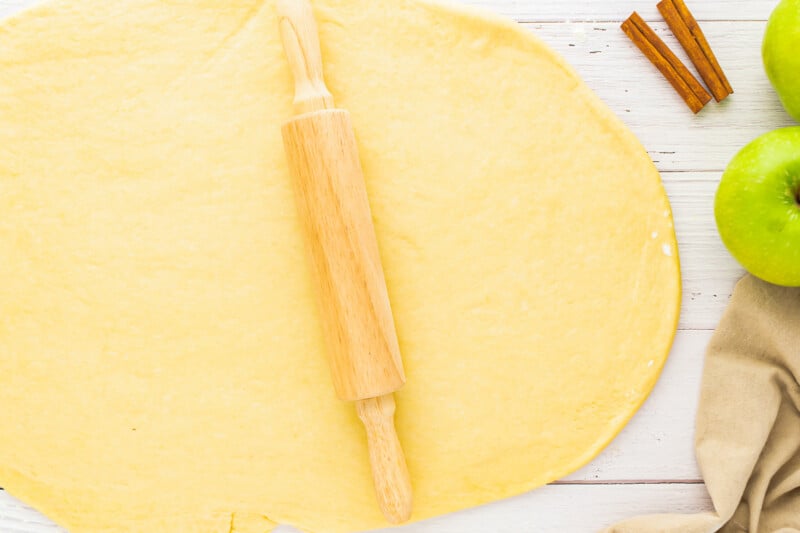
(650,467)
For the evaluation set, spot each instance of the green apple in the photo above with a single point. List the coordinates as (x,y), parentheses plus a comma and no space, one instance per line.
(758,207)
(781,53)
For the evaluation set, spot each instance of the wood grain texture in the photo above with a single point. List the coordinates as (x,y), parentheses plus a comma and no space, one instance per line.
(568,509)
(332,201)
(389,469)
(707,269)
(676,140)
(16,517)
(300,39)
(646,469)
(356,315)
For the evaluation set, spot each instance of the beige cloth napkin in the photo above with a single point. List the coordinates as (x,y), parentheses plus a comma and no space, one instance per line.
(748,424)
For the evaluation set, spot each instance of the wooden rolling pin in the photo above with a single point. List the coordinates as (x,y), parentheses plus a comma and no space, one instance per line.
(332,201)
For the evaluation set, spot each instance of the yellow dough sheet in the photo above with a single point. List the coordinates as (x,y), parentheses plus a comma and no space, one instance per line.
(162,366)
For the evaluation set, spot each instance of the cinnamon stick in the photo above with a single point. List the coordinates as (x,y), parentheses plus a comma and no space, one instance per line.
(673,69)
(691,37)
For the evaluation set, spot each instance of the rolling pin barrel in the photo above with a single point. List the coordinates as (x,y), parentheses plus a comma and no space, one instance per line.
(333,204)
(332,200)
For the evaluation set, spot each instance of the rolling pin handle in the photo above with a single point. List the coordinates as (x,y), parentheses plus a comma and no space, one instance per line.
(301,42)
(389,470)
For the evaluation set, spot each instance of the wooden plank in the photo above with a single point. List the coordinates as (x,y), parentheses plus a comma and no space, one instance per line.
(570,509)
(676,140)
(552,509)
(709,272)
(15,517)
(9,7)
(617,10)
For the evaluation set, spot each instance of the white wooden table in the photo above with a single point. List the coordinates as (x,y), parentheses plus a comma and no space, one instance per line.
(650,467)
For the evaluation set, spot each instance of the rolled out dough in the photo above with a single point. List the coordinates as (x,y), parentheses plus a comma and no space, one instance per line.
(161,361)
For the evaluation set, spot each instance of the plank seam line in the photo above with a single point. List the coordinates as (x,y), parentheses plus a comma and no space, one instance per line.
(628,482)
(696,171)
(619,21)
